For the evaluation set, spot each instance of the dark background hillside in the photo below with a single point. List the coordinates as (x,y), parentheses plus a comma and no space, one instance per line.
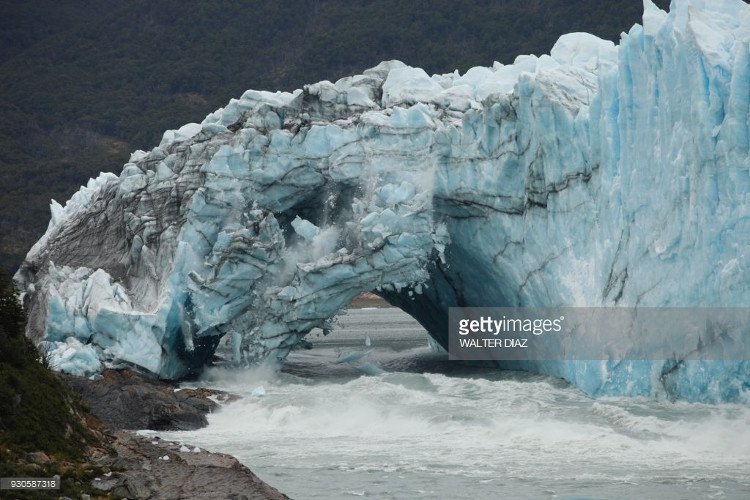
(83,82)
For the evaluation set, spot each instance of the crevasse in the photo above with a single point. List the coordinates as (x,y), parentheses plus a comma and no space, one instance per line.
(596,175)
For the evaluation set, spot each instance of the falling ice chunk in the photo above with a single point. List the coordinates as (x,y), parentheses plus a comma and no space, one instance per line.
(305,228)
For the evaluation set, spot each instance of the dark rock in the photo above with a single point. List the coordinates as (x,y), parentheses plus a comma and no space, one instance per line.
(38,457)
(120,492)
(106,484)
(138,488)
(127,400)
(184,475)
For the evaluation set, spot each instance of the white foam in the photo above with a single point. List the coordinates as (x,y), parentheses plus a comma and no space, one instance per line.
(431,425)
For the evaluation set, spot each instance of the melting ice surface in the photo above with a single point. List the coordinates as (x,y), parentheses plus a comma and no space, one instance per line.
(427,428)
(597,175)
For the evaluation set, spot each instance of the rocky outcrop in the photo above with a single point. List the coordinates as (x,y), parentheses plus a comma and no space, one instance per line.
(123,399)
(132,466)
(150,468)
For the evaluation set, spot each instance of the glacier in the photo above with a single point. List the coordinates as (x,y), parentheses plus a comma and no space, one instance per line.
(597,175)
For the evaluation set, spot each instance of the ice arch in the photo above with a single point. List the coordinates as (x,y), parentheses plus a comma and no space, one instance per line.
(596,175)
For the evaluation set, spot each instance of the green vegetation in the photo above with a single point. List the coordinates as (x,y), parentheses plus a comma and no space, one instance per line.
(37,412)
(83,83)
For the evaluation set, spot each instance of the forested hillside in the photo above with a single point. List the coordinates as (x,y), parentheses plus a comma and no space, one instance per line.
(83,82)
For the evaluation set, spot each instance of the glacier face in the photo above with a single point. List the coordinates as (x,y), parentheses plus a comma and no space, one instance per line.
(596,175)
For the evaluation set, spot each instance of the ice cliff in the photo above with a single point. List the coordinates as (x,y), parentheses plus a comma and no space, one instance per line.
(596,175)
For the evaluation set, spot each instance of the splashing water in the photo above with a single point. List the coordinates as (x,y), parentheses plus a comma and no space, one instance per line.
(429,428)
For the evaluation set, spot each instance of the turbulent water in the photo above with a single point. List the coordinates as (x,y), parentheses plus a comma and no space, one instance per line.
(425,427)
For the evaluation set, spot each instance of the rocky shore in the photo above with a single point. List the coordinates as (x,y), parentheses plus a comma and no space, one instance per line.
(127,465)
(123,399)
(140,467)
(367,299)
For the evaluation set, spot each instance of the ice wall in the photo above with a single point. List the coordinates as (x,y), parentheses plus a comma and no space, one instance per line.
(596,175)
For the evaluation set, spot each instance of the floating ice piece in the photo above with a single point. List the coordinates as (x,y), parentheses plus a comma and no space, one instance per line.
(369,369)
(352,356)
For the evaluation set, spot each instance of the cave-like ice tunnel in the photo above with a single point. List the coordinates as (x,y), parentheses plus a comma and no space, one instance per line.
(597,175)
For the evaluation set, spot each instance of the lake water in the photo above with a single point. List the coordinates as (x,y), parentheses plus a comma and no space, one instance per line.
(396,420)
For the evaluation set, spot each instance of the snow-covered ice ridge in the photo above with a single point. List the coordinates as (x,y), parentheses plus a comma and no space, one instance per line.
(596,175)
